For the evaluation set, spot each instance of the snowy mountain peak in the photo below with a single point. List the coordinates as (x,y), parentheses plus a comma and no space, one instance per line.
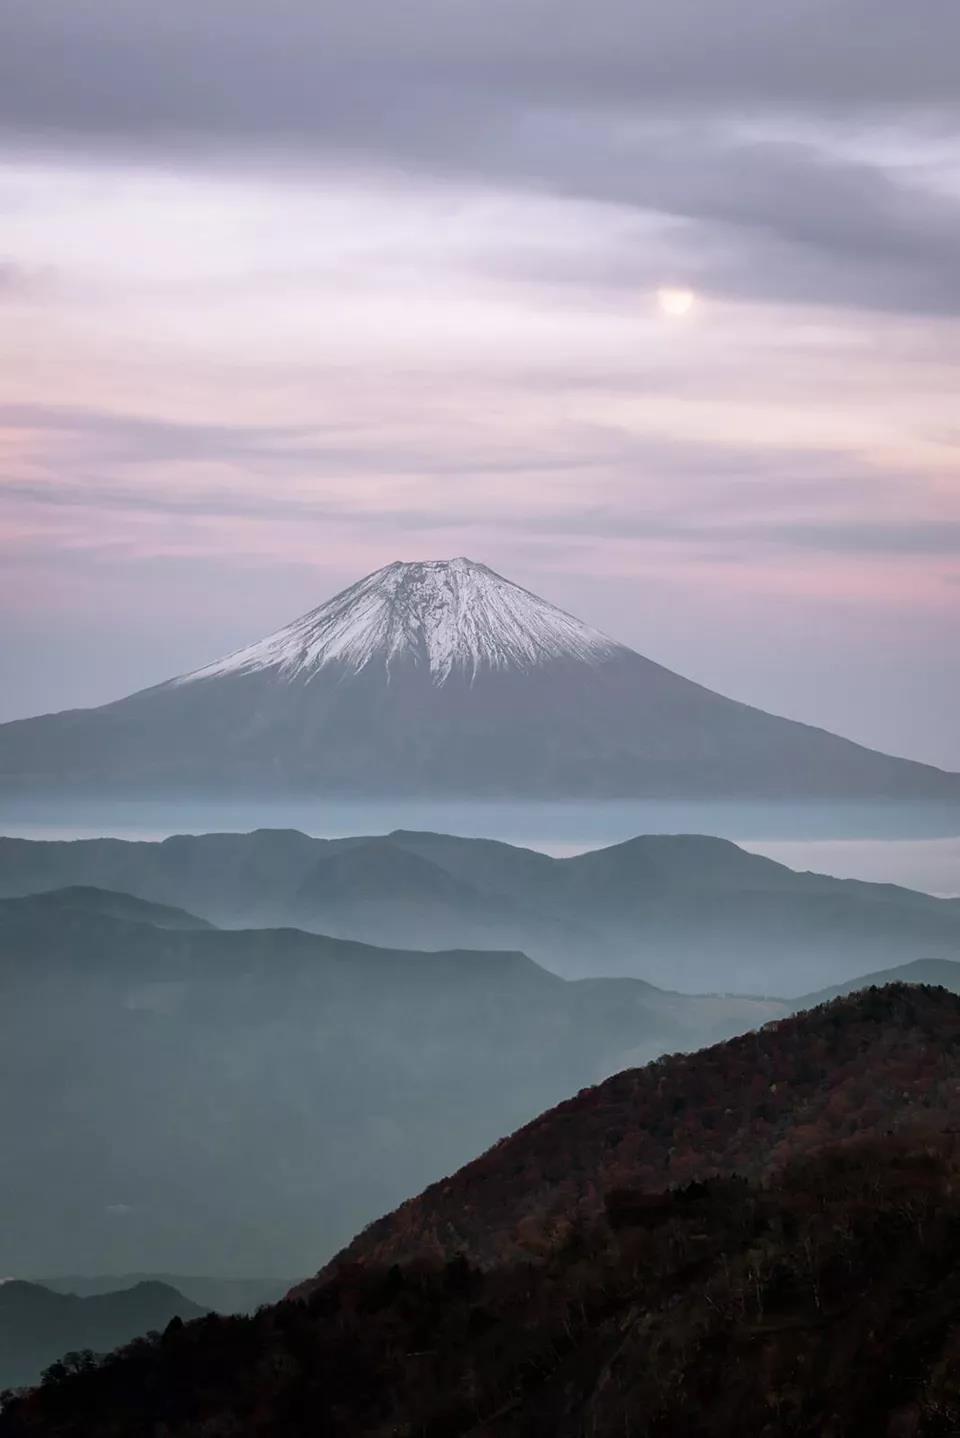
(450,616)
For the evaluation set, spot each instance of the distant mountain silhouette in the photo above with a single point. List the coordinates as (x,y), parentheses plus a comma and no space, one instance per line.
(683,911)
(444,678)
(940,973)
(84,899)
(377,869)
(219,1295)
(38,1326)
(180,1099)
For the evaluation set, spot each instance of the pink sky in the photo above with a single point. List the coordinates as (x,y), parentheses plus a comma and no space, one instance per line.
(234,378)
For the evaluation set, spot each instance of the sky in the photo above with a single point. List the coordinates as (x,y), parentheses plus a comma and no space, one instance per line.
(291,290)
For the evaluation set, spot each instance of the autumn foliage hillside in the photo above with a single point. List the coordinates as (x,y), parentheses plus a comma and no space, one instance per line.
(871,1062)
(605,1284)
(824,1304)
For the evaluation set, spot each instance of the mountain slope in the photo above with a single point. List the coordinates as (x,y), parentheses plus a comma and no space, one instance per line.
(86,900)
(379,869)
(941,973)
(877,1060)
(684,911)
(443,678)
(823,1303)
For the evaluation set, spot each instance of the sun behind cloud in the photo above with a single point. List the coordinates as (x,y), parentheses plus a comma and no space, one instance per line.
(676,302)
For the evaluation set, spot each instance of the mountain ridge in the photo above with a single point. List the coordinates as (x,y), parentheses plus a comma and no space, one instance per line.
(746,1105)
(38,1325)
(241,1098)
(808,1291)
(683,911)
(88,899)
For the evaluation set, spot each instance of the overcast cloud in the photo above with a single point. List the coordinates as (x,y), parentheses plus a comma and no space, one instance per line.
(290,290)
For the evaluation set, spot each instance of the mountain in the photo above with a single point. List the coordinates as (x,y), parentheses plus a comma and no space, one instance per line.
(225,877)
(822,1302)
(219,1295)
(443,678)
(875,1061)
(192,1099)
(86,900)
(939,973)
(683,911)
(38,1326)
(181,1098)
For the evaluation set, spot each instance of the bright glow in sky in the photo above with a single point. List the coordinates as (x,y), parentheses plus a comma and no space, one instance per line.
(383,297)
(676,303)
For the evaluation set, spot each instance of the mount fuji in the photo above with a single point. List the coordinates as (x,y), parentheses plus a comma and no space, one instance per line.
(442,678)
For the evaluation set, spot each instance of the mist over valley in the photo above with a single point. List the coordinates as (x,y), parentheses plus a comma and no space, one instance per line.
(479,759)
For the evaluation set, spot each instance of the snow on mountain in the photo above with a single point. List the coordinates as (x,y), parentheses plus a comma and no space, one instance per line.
(452,616)
(443,678)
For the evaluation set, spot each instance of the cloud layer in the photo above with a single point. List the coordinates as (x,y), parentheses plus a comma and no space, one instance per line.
(291,290)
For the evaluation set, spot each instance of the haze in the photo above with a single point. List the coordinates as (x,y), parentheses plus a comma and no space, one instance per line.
(479,767)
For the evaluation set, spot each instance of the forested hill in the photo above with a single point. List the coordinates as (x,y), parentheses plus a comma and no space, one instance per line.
(872,1061)
(822,1301)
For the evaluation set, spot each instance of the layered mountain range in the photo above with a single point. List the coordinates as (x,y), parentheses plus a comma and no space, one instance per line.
(443,678)
(242,1100)
(239,1101)
(686,911)
(761,1239)
(245,1098)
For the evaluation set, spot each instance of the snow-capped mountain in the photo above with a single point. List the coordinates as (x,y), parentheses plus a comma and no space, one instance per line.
(442,678)
(450,617)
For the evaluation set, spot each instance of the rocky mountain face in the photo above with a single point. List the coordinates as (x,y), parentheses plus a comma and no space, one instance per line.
(443,678)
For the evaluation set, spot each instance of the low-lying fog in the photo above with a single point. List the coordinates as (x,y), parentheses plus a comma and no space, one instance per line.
(915,845)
